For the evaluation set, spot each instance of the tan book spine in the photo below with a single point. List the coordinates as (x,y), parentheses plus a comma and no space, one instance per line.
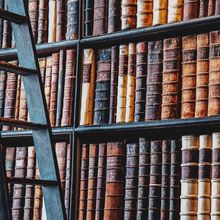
(52,21)
(160,9)
(175,11)
(23,111)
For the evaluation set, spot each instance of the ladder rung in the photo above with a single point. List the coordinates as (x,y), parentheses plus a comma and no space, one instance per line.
(12,17)
(8,67)
(22,124)
(26,181)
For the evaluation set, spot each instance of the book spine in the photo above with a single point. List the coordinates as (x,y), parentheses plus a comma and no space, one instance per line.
(131,181)
(130,93)
(88,86)
(89,10)
(141,75)
(189,177)
(102,87)
(122,84)
(211,7)
(42,65)
(114,83)
(128,14)
(23,111)
(17,102)
(143,179)
(154,202)
(203,8)
(72,19)
(3,80)
(217,5)
(175,11)
(60,19)
(114,190)
(189,54)
(144,13)
(1,23)
(190,9)
(154,81)
(114,14)
(171,78)
(52,12)
(43,22)
(160,9)
(202,75)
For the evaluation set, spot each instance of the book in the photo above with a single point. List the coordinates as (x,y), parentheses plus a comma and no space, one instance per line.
(3,80)
(88,17)
(203,8)
(17,102)
(52,16)
(160,9)
(211,7)
(190,9)
(114,15)
(175,11)
(61,19)
(1,23)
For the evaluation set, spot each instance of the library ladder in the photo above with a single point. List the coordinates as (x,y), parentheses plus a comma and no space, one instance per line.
(17,14)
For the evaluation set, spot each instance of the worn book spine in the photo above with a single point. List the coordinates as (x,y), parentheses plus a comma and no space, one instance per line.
(122,84)
(92,181)
(128,14)
(175,11)
(17,102)
(102,87)
(42,22)
(189,56)
(114,189)
(88,21)
(143,178)
(1,23)
(114,83)
(217,5)
(154,199)
(60,19)
(203,8)
(52,14)
(72,19)
(130,93)
(42,65)
(160,9)
(190,9)
(141,76)
(88,85)
(154,81)
(171,78)
(144,13)
(211,7)
(3,80)
(114,15)
(69,85)
(189,177)
(202,75)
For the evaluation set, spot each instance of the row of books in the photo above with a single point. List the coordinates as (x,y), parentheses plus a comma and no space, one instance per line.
(51,21)
(27,201)
(58,76)
(154,180)
(164,79)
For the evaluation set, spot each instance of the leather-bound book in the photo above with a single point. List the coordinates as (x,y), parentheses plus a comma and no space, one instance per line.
(69,85)
(1,23)
(217,5)
(88,21)
(128,14)
(143,178)
(214,76)
(122,83)
(144,13)
(100,17)
(190,9)
(202,75)
(154,199)
(52,15)
(203,8)
(3,80)
(154,81)
(72,19)
(211,7)
(114,15)
(141,76)
(42,65)
(204,181)
(33,14)
(53,90)
(102,87)
(160,9)
(43,22)
(114,189)
(23,111)
(171,78)
(189,45)
(83,190)
(131,181)
(175,155)
(130,96)
(61,19)
(17,102)
(189,177)
(88,85)
(114,83)
(101,179)
(175,11)
(92,181)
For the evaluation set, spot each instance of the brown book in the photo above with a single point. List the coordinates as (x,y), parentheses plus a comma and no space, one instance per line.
(23,111)
(154,81)
(72,19)
(144,13)
(141,77)
(203,8)
(211,7)
(160,9)
(88,85)
(60,19)
(114,189)
(217,5)
(43,22)
(17,102)
(43,65)
(189,45)
(88,14)
(190,9)
(3,80)
(171,78)
(114,15)
(128,14)
(1,23)
(175,11)
(52,17)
